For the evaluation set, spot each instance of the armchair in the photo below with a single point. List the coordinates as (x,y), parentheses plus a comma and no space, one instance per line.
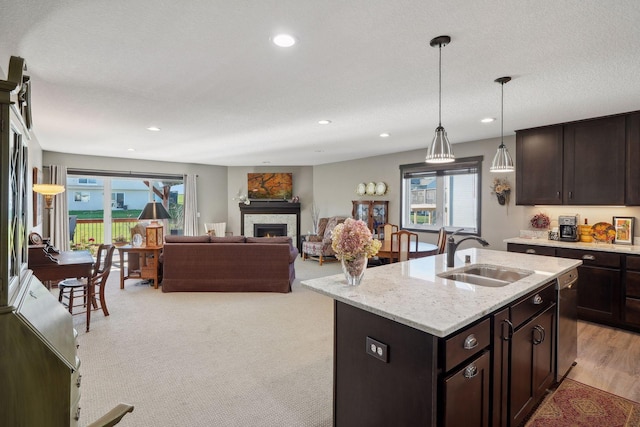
(318,247)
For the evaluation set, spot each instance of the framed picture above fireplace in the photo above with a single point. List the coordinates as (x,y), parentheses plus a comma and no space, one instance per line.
(269,186)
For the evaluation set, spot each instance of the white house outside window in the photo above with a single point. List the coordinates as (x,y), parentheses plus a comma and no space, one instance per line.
(446,195)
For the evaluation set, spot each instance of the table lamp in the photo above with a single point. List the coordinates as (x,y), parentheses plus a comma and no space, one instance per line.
(154,232)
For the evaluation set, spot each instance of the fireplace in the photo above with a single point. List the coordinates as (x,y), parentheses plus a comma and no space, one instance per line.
(269,230)
(271,213)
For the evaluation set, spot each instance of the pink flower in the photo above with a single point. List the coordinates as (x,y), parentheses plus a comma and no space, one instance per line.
(353,239)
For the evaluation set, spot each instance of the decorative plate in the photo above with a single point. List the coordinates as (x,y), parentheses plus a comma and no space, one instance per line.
(371,188)
(603,232)
(361,189)
(381,188)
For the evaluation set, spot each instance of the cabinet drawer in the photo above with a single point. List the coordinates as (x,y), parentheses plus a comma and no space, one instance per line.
(531,249)
(633,263)
(632,284)
(594,258)
(465,344)
(632,311)
(532,305)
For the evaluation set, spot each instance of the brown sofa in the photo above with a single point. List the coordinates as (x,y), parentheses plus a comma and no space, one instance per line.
(228,264)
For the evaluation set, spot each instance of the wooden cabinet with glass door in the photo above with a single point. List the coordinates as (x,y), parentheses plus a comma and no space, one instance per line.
(373,212)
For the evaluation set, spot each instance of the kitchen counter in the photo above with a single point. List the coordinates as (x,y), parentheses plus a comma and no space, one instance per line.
(603,247)
(412,294)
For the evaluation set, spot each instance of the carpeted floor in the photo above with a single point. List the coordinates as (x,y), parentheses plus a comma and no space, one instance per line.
(211,359)
(574,404)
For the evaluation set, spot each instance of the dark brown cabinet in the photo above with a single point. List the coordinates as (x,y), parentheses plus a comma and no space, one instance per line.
(531,249)
(599,284)
(466,394)
(590,162)
(373,212)
(594,159)
(539,166)
(524,355)
(632,291)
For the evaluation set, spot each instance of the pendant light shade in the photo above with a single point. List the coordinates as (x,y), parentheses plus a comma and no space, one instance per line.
(440,149)
(502,161)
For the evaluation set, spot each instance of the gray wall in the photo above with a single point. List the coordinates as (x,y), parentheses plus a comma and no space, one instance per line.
(212,180)
(332,187)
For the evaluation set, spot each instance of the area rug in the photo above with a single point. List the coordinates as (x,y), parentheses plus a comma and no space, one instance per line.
(574,404)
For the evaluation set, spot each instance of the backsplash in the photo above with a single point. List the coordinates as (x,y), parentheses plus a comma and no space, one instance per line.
(593,214)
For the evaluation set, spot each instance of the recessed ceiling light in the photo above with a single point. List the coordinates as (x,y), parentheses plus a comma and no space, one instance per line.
(131,149)
(488,120)
(266,162)
(384,135)
(324,122)
(283,40)
(154,128)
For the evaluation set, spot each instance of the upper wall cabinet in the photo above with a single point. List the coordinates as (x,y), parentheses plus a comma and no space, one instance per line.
(594,162)
(580,163)
(539,166)
(633,159)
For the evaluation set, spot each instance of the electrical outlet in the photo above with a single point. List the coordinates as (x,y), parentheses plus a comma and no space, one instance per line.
(377,349)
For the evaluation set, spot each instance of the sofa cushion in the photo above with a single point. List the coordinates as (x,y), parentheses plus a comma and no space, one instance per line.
(186,239)
(270,240)
(227,239)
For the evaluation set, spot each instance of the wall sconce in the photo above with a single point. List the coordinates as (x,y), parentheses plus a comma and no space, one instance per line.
(48,191)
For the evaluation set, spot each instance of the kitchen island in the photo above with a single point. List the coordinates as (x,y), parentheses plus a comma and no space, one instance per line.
(410,346)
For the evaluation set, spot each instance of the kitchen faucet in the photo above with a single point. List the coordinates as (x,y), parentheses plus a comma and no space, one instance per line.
(452,245)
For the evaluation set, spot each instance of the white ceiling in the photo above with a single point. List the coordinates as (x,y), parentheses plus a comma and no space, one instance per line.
(206,73)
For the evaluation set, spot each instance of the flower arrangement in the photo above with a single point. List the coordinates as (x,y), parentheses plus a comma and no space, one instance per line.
(540,221)
(352,239)
(501,188)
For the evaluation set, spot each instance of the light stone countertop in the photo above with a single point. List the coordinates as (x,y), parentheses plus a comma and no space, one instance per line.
(411,293)
(604,247)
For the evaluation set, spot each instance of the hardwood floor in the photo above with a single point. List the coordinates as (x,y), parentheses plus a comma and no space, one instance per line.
(608,359)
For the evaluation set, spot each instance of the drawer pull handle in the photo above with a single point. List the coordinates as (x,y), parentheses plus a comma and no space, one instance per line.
(531,251)
(537,300)
(589,257)
(78,381)
(470,342)
(77,416)
(509,334)
(470,371)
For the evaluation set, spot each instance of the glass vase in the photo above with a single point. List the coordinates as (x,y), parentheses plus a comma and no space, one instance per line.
(354,269)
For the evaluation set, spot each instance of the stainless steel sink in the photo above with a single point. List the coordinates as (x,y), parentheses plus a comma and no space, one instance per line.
(486,275)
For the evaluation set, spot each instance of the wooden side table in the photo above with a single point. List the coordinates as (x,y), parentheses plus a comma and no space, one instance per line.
(148,263)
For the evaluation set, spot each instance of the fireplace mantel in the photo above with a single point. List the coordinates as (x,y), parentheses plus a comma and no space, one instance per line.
(273,211)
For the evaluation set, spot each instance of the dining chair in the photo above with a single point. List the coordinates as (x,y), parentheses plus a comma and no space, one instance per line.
(442,241)
(386,230)
(86,289)
(401,244)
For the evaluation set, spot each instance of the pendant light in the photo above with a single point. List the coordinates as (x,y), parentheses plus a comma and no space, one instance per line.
(502,162)
(440,149)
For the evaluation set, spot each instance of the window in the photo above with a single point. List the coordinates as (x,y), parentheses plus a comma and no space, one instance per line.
(444,195)
(117,201)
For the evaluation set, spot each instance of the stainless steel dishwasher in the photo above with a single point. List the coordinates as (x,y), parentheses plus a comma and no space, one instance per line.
(567,336)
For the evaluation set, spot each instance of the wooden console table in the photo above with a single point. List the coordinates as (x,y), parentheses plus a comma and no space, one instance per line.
(146,267)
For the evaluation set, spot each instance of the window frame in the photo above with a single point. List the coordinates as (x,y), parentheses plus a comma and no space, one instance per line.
(443,169)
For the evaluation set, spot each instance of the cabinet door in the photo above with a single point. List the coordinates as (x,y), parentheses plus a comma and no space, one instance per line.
(598,294)
(361,210)
(466,394)
(532,364)
(594,171)
(539,166)
(379,214)
(633,160)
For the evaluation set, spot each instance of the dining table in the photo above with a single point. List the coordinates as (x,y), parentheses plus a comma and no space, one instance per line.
(389,250)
